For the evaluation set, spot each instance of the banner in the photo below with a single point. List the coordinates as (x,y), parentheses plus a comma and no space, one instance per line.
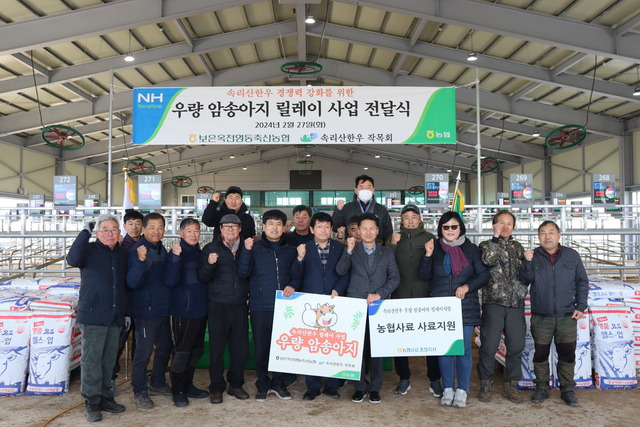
(290,115)
(316,335)
(416,327)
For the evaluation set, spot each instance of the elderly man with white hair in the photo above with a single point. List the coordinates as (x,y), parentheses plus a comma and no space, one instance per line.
(103,270)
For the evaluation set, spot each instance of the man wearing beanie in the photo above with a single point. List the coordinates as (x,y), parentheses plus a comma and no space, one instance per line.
(408,247)
(232,204)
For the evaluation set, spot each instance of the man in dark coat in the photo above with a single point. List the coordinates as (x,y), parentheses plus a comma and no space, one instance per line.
(101,307)
(559,291)
(365,202)
(150,309)
(408,246)
(188,310)
(373,275)
(232,204)
(267,264)
(227,295)
(315,271)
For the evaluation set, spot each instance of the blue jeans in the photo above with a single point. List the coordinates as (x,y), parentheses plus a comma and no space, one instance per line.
(463,364)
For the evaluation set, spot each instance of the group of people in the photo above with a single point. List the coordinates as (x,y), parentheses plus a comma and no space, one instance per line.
(172,295)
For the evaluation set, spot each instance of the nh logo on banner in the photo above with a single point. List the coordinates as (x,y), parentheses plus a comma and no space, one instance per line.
(149,97)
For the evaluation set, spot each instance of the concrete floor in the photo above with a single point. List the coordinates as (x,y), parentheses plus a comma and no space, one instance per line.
(417,408)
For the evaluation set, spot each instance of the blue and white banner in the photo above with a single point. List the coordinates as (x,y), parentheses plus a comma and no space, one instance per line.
(290,115)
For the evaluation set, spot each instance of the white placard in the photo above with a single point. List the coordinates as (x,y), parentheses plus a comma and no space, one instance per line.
(416,327)
(317,335)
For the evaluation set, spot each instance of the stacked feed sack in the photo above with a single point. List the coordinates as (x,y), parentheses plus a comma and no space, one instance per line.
(51,351)
(15,329)
(582,371)
(38,335)
(612,347)
(634,305)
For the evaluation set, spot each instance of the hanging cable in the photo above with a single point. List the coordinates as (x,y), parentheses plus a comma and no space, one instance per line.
(593,83)
(35,86)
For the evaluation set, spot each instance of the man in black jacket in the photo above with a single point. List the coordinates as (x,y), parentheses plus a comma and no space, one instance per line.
(559,290)
(228,322)
(101,307)
(365,202)
(232,204)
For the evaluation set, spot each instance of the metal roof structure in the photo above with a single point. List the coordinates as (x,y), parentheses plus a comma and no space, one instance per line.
(541,64)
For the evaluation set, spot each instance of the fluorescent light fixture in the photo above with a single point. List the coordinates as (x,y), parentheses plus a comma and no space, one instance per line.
(449,170)
(472,57)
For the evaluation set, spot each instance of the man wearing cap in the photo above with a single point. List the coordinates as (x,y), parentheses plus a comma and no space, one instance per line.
(227,295)
(232,204)
(365,202)
(408,246)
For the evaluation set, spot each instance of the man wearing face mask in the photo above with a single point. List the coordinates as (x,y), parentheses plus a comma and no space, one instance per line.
(363,203)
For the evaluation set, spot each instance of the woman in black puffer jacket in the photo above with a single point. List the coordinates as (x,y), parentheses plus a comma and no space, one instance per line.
(454,267)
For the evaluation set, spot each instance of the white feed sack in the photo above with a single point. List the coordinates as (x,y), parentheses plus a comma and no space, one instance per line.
(50,352)
(15,329)
(13,300)
(614,359)
(614,289)
(582,370)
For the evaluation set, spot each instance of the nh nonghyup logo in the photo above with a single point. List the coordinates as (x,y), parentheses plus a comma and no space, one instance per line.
(149,97)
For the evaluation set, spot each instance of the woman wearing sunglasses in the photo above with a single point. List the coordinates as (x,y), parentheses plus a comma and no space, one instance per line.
(454,267)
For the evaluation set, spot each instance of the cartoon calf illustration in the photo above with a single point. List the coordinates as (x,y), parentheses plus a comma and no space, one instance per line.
(41,372)
(9,375)
(620,357)
(323,317)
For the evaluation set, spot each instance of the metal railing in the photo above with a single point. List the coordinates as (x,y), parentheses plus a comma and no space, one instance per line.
(609,242)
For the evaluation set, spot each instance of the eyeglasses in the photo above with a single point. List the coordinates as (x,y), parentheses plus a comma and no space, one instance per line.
(450,227)
(230,227)
(110,231)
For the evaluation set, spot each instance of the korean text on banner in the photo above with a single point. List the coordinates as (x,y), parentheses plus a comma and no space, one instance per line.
(416,327)
(287,115)
(317,335)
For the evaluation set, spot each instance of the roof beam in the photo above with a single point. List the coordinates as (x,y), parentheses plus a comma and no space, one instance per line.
(264,71)
(152,56)
(453,56)
(518,23)
(99,20)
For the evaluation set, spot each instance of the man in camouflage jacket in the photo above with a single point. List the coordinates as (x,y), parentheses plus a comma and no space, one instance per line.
(502,308)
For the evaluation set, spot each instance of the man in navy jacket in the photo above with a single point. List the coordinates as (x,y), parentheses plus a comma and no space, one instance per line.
(267,264)
(559,292)
(315,272)
(188,309)
(101,307)
(150,310)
